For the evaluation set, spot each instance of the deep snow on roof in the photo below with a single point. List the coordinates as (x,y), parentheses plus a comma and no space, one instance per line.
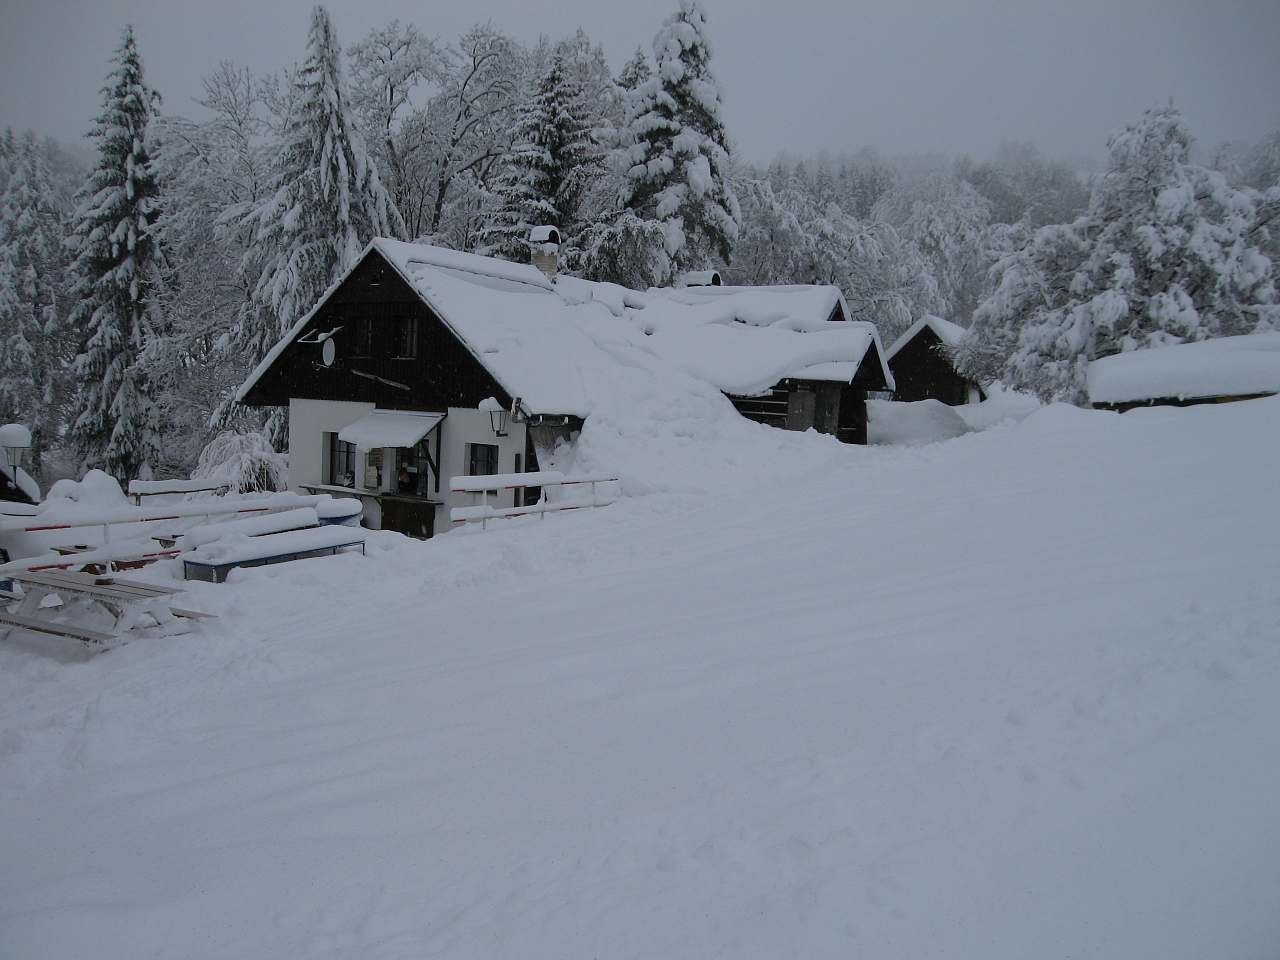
(949,333)
(561,347)
(1226,367)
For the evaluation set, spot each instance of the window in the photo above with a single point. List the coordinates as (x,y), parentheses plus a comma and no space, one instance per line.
(342,463)
(482,460)
(414,468)
(406,345)
(362,337)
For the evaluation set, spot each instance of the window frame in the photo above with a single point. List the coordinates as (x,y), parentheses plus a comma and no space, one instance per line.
(491,455)
(406,326)
(341,452)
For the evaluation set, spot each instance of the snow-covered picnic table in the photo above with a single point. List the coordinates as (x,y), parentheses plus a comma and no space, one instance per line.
(125,603)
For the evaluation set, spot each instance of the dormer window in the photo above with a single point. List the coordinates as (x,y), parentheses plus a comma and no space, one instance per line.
(406,338)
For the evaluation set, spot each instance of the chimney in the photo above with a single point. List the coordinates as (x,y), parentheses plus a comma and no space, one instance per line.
(544,250)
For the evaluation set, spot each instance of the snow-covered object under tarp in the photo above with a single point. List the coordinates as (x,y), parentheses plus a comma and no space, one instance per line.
(949,333)
(384,428)
(1226,367)
(568,347)
(914,423)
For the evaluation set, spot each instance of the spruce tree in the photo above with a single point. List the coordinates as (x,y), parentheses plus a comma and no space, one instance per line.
(1167,252)
(635,71)
(325,201)
(678,151)
(551,163)
(115,270)
(31,336)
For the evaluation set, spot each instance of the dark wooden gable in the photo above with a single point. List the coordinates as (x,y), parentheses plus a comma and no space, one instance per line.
(922,370)
(373,306)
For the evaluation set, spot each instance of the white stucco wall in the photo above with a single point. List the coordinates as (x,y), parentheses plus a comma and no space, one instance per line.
(311,420)
(465,426)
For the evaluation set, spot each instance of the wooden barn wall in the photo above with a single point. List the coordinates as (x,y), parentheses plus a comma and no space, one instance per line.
(840,410)
(442,375)
(921,371)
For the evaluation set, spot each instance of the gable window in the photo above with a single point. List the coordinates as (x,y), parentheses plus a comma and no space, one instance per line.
(342,462)
(482,459)
(362,337)
(406,343)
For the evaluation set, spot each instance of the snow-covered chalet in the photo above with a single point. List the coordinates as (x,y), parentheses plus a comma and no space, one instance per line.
(422,364)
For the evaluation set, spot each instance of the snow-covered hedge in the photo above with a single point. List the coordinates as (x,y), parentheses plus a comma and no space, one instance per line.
(246,461)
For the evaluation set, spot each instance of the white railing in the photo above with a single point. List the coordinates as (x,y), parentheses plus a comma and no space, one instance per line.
(159,488)
(483,512)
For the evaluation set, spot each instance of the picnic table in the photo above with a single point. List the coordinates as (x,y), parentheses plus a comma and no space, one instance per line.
(126,603)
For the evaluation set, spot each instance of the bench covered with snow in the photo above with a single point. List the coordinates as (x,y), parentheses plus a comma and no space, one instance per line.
(213,561)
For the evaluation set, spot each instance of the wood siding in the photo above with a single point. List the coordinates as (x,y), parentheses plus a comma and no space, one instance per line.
(443,374)
(1178,401)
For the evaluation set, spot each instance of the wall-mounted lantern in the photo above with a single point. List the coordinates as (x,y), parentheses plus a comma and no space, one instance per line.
(498,415)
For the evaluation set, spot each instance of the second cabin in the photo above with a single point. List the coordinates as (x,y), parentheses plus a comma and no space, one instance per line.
(922,365)
(423,364)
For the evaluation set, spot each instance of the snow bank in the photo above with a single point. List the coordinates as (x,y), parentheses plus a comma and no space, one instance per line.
(1228,366)
(908,424)
(95,490)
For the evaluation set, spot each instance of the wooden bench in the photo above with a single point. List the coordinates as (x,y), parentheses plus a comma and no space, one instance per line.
(53,627)
(125,601)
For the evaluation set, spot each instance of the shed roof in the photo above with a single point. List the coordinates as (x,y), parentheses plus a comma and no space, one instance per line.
(1225,367)
(946,331)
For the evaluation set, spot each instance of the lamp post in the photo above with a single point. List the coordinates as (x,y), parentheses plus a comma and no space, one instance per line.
(15,441)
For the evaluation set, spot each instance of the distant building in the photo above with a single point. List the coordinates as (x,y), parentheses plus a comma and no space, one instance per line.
(922,367)
(423,363)
(1187,374)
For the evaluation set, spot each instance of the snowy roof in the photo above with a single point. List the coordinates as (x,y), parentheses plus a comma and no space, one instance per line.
(949,333)
(1226,367)
(560,346)
(387,428)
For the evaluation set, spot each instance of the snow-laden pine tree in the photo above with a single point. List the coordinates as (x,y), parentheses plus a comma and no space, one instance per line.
(114,273)
(32,340)
(678,151)
(635,71)
(324,202)
(1167,252)
(551,163)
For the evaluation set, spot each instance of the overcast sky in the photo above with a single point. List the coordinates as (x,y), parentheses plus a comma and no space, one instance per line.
(798,75)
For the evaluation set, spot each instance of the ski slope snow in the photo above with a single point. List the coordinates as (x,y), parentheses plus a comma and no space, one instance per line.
(1015,694)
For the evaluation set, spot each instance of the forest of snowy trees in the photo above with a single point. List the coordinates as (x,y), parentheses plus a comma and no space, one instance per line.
(139,284)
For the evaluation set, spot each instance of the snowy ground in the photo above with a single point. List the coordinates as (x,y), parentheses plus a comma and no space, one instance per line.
(1012,695)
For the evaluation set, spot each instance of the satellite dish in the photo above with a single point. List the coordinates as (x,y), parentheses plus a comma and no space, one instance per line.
(328,352)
